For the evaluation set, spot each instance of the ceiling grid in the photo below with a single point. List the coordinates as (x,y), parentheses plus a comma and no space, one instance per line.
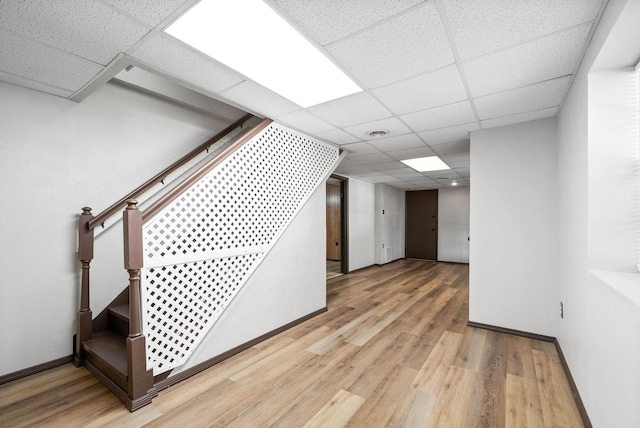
(431,71)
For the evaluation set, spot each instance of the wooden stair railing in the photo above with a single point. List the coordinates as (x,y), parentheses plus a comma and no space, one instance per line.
(117,355)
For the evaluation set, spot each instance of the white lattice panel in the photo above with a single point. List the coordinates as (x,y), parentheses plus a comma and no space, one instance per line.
(182,300)
(233,214)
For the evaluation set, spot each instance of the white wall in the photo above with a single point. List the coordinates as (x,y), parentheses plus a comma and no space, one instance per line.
(599,334)
(513,227)
(453,224)
(390,219)
(299,291)
(361,224)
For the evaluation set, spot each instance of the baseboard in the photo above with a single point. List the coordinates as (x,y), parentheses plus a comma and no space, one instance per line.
(572,385)
(172,380)
(512,331)
(363,268)
(35,369)
(574,389)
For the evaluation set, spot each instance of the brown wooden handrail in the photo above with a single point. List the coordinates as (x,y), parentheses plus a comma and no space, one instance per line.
(176,191)
(121,203)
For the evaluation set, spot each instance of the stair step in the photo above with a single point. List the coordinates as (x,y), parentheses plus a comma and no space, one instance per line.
(107,351)
(118,317)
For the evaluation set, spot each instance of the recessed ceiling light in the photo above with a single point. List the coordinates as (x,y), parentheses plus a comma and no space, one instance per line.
(430,163)
(251,38)
(377,132)
(455,183)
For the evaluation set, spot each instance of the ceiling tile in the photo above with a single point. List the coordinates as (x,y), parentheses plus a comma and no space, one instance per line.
(401,142)
(371,159)
(330,20)
(389,180)
(32,84)
(256,98)
(456,157)
(88,29)
(529,98)
(34,61)
(411,153)
(354,169)
(351,110)
(463,172)
(392,167)
(305,122)
(405,46)
(359,148)
(455,147)
(457,164)
(165,53)
(408,176)
(393,125)
(517,118)
(149,12)
(338,136)
(480,27)
(434,89)
(421,181)
(444,174)
(449,134)
(440,117)
(552,56)
(372,174)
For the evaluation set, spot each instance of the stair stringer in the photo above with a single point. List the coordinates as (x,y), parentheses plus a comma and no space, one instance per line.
(202,248)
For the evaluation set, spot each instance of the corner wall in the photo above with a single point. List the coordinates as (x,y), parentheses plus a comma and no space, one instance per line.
(390,219)
(361,224)
(453,224)
(512,280)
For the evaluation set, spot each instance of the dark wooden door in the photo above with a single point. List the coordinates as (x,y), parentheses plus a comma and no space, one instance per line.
(422,225)
(333,222)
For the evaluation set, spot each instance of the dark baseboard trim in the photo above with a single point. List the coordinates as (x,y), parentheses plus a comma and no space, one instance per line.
(170,381)
(363,268)
(574,389)
(511,331)
(35,369)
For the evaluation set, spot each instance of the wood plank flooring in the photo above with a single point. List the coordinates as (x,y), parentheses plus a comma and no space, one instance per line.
(392,350)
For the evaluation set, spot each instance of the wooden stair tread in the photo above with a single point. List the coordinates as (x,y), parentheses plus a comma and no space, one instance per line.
(121,311)
(108,352)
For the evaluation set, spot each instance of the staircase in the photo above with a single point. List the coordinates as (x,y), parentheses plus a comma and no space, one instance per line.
(190,252)
(110,346)
(106,356)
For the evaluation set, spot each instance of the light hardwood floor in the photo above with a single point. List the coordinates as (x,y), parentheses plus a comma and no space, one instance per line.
(392,350)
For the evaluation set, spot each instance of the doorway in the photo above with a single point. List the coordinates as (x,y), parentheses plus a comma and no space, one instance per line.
(421,230)
(336,226)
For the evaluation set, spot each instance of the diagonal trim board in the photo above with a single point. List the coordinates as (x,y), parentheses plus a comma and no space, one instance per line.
(202,248)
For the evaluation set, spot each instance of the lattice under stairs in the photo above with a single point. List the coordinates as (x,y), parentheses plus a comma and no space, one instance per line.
(198,246)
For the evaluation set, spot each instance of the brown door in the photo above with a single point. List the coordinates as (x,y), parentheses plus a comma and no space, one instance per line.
(333,221)
(422,224)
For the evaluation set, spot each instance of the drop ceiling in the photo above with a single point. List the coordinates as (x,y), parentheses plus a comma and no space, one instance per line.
(431,71)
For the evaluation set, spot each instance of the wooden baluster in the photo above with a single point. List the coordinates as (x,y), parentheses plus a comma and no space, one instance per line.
(136,347)
(85,254)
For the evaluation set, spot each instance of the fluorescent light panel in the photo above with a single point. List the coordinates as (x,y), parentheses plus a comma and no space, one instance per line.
(430,163)
(251,38)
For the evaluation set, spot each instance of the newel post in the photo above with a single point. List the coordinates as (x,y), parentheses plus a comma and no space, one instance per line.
(85,254)
(136,348)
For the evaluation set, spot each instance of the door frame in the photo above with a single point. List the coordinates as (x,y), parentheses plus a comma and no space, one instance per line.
(344,222)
